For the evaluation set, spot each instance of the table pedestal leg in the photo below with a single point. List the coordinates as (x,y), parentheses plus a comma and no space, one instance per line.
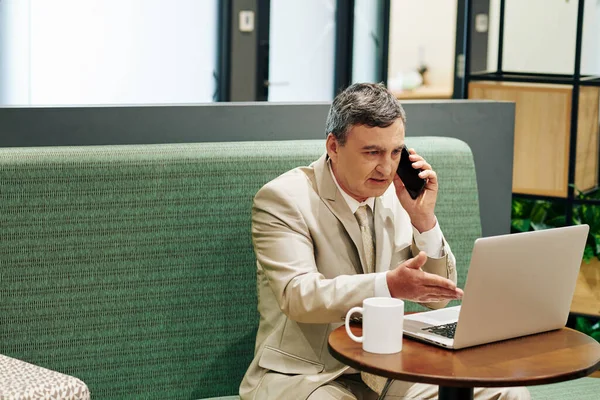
(386,387)
(455,393)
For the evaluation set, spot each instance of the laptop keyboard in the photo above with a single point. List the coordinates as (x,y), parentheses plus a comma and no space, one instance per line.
(446,330)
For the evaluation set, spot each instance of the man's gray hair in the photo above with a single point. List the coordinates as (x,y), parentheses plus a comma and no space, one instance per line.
(370,104)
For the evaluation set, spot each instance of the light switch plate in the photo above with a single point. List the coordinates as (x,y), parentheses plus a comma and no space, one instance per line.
(481,23)
(246,21)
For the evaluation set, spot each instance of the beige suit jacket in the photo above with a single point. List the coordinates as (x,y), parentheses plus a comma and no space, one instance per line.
(310,263)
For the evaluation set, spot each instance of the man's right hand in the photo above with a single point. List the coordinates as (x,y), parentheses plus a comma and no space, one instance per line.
(407,281)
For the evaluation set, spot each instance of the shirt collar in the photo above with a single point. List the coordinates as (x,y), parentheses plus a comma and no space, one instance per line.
(352,202)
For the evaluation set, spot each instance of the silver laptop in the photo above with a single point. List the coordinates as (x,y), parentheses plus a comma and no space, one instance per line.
(517,285)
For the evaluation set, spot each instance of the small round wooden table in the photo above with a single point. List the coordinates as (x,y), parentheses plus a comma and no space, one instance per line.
(544,358)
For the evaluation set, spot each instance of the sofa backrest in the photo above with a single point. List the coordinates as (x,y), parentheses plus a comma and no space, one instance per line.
(131,267)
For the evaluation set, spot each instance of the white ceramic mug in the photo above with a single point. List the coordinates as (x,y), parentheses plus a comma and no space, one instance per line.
(382,323)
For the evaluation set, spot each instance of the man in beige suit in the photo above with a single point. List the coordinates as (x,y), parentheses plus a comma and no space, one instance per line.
(332,234)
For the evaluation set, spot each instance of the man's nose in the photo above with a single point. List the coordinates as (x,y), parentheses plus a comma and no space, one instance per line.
(386,166)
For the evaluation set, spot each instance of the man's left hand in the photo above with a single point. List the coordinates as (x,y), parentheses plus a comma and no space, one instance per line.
(421,209)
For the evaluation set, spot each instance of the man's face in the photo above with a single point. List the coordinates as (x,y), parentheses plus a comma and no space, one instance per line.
(366,164)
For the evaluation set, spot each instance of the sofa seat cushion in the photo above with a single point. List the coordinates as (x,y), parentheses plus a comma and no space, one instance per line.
(21,380)
(584,389)
(224,398)
(580,389)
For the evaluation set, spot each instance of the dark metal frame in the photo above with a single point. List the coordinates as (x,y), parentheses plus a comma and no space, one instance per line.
(385,55)
(530,77)
(223,75)
(576,80)
(262,48)
(459,49)
(467,49)
(501,36)
(344,43)
(575,111)
(344,40)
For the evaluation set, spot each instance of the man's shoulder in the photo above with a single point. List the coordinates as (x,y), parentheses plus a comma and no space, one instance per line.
(292,182)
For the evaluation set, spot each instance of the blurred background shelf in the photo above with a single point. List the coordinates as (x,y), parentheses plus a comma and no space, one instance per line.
(424,93)
(586,300)
(542,134)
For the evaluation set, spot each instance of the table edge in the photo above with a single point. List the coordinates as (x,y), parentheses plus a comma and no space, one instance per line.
(476,382)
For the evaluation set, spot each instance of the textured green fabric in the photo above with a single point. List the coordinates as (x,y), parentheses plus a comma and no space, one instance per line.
(580,389)
(131,267)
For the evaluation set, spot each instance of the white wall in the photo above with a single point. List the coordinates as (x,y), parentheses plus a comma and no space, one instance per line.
(14,52)
(429,25)
(540,36)
(590,58)
(108,51)
(302,49)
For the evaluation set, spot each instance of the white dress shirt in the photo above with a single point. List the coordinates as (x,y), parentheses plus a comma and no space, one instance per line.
(430,241)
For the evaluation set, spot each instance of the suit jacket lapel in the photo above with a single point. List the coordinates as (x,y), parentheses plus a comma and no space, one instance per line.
(335,202)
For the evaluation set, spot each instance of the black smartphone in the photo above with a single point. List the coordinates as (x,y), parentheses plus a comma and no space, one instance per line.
(410,176)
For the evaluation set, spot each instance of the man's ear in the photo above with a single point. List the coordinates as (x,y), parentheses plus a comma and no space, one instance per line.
(332,146)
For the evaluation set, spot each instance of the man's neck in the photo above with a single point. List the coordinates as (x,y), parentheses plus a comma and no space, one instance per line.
(352,202)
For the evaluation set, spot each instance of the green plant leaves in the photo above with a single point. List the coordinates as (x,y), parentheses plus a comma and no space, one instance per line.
(539,211)
(521,225)
(533,215)
(559,220)
(584,325)
(588,254)
(596,237)
(540,226)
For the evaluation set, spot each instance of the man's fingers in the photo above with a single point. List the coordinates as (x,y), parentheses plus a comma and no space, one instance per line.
(428,174)
(436,298)
(422,164)
(438,294)
(447,293)
(416,262)
(411,283)
(436,281)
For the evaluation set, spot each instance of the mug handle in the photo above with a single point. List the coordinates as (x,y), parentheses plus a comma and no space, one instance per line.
(358,339)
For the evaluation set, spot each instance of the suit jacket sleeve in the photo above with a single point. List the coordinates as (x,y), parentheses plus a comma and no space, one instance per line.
(444,266)
(286,255)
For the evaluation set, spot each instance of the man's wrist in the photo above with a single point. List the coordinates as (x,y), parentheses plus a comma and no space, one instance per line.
(424,224)
(381,286)
(389,279)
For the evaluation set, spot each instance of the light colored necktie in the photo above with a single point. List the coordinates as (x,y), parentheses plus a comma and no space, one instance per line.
(365,221)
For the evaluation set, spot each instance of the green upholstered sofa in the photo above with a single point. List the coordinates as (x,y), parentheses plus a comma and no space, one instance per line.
(131,267)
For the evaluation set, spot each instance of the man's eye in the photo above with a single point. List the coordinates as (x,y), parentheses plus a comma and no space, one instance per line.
(372,153)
